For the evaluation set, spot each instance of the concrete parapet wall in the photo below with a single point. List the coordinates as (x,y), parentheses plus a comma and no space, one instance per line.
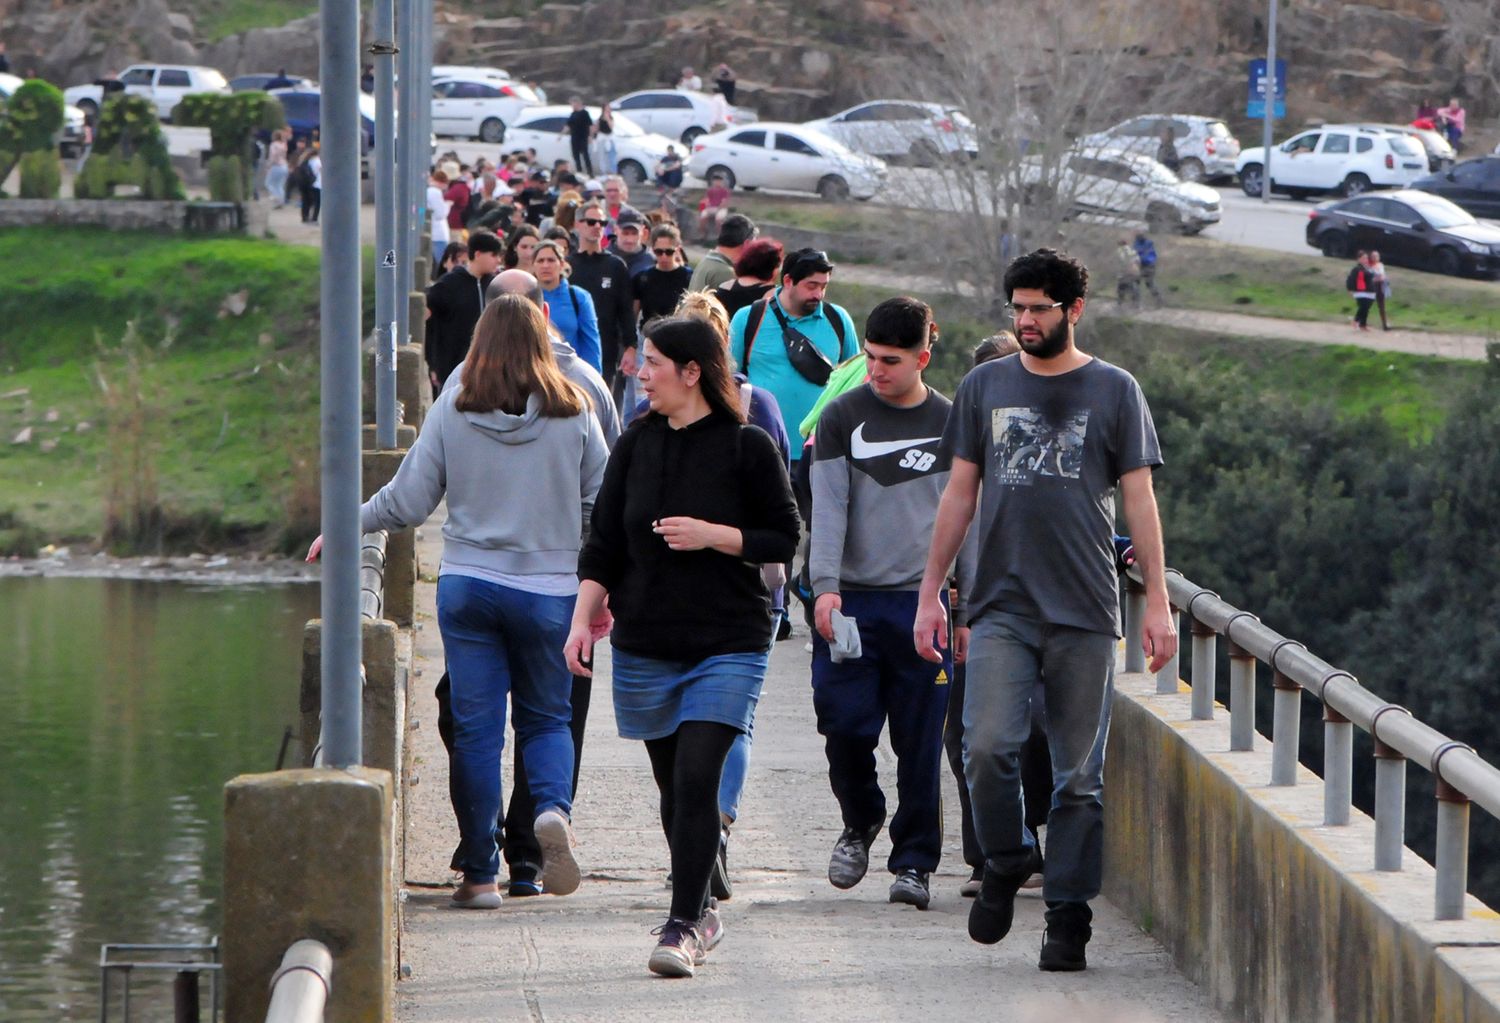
(307,854)
(115,214)
(1283,920)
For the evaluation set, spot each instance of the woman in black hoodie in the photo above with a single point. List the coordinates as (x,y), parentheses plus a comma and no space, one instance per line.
(693,502)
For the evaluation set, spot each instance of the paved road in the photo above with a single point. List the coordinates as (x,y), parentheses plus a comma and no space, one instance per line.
(795,949)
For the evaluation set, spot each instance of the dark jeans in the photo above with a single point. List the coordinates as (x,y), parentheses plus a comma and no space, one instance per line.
(1380,302)
(312,204)
(581,159)
(517,839)
(1362,310)
(1148,278)
(1036,766)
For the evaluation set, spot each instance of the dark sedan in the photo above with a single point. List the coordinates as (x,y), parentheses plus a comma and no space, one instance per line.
(1473,184)
(1408,228)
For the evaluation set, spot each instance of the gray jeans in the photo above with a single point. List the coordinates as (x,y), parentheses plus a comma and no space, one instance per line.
(1008,657)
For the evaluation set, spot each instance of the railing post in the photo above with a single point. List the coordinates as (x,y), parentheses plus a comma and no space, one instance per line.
(1286,734)
(1241,697)
(1203,671)
(1390,807)
(1338,767)
(1452,851)
(1170,676)
(1135,609)
(185,997)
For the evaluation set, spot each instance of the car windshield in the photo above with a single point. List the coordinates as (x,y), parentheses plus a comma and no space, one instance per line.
(826,143)
(1154,172)
(1441,213)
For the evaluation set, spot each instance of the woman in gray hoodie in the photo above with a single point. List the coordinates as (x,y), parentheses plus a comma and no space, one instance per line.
(519,454)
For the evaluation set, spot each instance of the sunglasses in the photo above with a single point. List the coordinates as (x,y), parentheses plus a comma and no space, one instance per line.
(593,222)
(665,252)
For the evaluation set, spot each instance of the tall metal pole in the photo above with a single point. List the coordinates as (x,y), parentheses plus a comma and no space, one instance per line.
(423,99)
(406,202)
(383,49)
(340,391)
(1270,113)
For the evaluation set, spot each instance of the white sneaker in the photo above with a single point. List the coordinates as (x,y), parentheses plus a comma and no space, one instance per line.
(555,835)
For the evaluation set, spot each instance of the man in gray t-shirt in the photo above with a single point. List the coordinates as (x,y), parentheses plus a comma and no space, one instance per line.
(1051,432)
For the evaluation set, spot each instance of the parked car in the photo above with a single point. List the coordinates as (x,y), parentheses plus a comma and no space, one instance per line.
(257,81)
(545,130)
(1410,228)
(678,113)
(163,84)
(1440,152)
(478,106)
(303,109)
(468,70)
(1118,184)
(1342,158)
(925,132)
(1473,185)
(1205,147)
(793,157)
(71,137)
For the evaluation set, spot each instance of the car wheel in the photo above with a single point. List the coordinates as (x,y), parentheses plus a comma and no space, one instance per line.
(925,153)
(1446,261)
(690,134)
(492,129)
(834,189)
(1250,180)
(1161,217)
(1335,244)
(721,171)
(90,110)
(749,188)
(632,172)
(1354,184)
(1190,170)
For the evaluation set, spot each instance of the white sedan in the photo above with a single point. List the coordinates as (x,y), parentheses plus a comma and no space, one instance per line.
(792,157)
(545,129)
(163,84)
(680,114)
(478,106)
(924,132)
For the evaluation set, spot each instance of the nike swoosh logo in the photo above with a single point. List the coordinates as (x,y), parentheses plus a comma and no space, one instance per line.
(863,449)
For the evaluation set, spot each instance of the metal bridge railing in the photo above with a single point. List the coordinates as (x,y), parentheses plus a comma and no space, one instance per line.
(372,574)
(300,988)
(1461,775)
(184,962)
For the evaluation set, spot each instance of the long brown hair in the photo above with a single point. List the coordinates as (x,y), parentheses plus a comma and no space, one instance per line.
(511,359)
(685,339)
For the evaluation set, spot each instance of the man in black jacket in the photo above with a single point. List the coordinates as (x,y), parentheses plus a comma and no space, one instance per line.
(454,303)
(604,276)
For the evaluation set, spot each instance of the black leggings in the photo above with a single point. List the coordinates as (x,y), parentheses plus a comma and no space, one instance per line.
(688,765)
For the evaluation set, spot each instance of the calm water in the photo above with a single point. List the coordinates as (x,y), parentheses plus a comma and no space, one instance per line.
(124,707)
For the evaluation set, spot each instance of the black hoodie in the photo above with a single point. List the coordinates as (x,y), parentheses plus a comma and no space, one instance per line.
(456,300)
(690,605)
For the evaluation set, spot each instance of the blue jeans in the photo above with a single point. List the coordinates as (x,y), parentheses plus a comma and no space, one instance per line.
(1008,657)
(503,642)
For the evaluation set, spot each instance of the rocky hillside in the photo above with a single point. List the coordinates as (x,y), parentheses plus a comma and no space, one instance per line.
(804,58)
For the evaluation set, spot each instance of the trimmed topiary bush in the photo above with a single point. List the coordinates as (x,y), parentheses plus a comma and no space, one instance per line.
(29,123)
(41,175)
(129,149)
(233,122)
(226,179)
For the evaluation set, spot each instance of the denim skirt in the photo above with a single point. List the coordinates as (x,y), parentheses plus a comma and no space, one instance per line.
(653,697)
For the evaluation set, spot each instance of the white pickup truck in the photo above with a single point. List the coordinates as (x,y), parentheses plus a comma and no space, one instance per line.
(163,84)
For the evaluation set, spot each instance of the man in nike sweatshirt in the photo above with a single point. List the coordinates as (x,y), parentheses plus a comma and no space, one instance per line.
(878,471)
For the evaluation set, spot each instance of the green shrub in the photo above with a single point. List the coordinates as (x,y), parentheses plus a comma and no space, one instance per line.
(226,179)
(233,122)
(41,175)
(129,149)
(28,123)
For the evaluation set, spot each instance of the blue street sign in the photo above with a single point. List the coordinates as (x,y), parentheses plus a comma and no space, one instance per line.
(1255,106)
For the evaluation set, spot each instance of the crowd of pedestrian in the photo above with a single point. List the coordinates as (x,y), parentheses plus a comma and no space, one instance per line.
(635,448)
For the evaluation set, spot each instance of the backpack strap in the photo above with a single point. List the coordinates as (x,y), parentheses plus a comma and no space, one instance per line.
(573,294)
(752,328)
(746,391)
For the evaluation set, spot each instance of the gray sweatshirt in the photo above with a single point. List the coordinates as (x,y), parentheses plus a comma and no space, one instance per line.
(520,488)
(582,374)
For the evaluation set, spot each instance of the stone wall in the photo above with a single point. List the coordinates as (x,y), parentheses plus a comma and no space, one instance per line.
(118,214)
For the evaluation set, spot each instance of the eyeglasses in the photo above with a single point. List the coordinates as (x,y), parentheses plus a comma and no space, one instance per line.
(665,252)
(593,222)
(1036,311)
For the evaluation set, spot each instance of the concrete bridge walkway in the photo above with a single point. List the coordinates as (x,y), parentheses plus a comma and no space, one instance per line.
(794,948)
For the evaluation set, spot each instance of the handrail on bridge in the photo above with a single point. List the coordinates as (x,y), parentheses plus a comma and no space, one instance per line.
(1461,774)
(372,574)
(300,988)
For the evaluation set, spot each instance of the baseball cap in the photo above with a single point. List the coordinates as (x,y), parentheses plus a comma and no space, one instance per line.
(591,186)
(630,218)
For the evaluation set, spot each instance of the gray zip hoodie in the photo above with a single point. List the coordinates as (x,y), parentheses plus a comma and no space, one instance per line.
(520,488)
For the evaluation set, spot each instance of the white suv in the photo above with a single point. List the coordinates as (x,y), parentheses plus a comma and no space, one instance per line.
(1342,158)
(163,84)
(1206,150)
(679,114)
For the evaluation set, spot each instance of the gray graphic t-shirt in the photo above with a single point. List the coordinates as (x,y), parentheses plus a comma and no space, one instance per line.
(1051,451)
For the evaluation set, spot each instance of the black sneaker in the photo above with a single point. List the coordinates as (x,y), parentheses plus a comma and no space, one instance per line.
(910,888)
(718,881)
(851,856)
(678,950)
(1067,936)
(525,880)
(994,907)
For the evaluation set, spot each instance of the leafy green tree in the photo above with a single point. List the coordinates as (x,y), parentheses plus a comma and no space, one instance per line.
(233,121)
(29,123)
(129,149)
